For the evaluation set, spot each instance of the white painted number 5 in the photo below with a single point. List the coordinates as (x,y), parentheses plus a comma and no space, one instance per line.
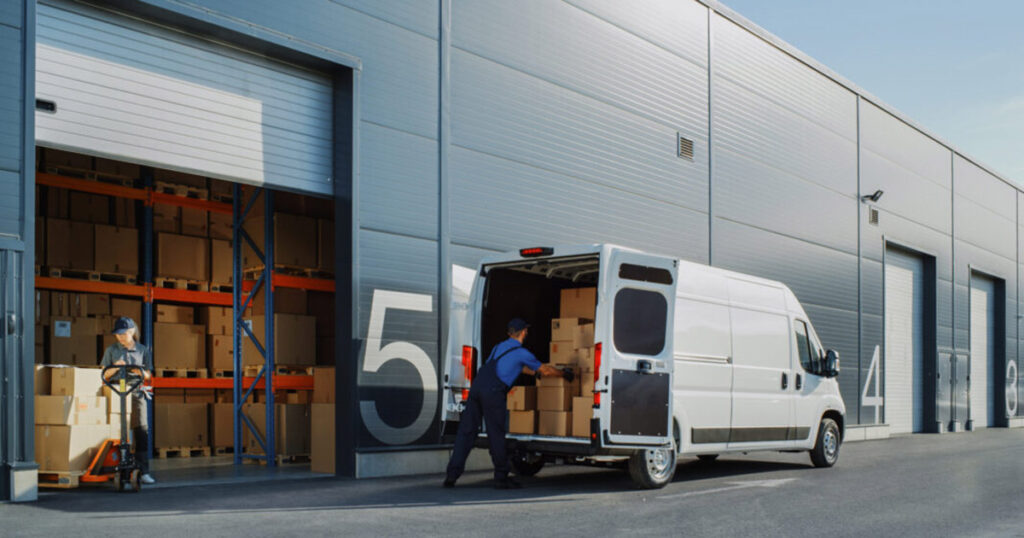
(376,356)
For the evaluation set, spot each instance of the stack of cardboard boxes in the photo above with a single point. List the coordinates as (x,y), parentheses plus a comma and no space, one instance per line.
(322,421)
(74,414)
(74,328)
(554,406)
(193,244)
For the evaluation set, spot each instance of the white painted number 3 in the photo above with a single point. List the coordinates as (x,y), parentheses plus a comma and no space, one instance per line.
(377,355)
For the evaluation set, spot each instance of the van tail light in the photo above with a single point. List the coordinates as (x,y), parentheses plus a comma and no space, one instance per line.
(468,361)
(597,372)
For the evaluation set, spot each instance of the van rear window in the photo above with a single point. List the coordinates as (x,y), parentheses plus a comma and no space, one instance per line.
(645,274)
(640,318)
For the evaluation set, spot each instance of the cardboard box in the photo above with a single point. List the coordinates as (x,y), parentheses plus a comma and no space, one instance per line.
(117,250)
(564,329)
(216,319)
(582,412)
(179,425)
(85,207)
(57,203)
(221,226)
(166,218)
(82,253)
(71,410)
(222,425)
(42,306)
(220,352)
(561,353)
(578,303)
(60,303)
(585,359)
(183,256)
(126,308)
(321,306)
(166,313)
(95,304)
(558,423)
(292,396)
(286,301)
(223,395)
(293,244)
(199,396)
(522,399)
(42,379)
(116,168)
(293,338)
(559,382)
(522,421)
(291,428)
(221,187)
(73,341)
(554,398)
(221,269)
(58,243)
(67,448)
(323,384)
(124,213)
(325,245)
(194,222)
(69,381)
(587,384)
(114,409)
(179,346)
(169,395)
(321,449)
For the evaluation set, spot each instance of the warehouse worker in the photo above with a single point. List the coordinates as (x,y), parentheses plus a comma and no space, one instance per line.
(487,401)
(128,351)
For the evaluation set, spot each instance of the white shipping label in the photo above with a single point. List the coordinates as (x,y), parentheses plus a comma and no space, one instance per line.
(62,329)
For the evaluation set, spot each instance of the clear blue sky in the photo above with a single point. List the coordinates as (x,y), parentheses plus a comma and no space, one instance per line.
(955,67)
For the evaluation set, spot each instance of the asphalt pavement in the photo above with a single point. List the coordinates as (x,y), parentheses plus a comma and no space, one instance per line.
(967,484)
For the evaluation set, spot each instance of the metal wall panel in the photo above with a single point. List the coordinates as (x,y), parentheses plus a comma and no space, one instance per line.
(904,342)
(503,205)
(984,189)
(983,352)
(398,182)
(679,27)
(885,135)
(979,226)
(11,14)
(10,107)
(417,15)
(145,94)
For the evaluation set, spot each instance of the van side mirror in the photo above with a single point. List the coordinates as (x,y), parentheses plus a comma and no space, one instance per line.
(831,363)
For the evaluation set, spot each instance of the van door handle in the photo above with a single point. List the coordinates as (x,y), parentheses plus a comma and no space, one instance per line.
(799,381)
(785,381)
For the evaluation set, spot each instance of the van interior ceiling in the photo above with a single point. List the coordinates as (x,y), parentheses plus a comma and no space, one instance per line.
(531,290)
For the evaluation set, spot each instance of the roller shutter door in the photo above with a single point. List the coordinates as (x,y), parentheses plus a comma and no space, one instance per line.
(904,341)
(983,351)
(134,91)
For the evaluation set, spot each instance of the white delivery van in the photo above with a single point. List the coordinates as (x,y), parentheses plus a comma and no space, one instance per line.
(689,360)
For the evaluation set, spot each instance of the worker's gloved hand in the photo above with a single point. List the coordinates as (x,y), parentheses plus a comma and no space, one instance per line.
(568,375)
(537,374)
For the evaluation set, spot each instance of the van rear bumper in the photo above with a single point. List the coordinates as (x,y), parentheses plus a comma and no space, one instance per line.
(560,446)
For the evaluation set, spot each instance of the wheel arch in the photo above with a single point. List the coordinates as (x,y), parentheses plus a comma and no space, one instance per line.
(840,421)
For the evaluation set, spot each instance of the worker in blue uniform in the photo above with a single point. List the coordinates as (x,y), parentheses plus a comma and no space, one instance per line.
(487,401)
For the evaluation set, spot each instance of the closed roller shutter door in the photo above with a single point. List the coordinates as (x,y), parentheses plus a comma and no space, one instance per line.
(904,342)
(133,91)
(983,351)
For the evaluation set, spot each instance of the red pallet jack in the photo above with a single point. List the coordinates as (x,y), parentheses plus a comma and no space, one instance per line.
(115,462)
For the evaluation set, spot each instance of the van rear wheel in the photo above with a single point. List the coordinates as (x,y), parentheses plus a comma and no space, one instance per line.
(826,450)
(652,469)
(526,464)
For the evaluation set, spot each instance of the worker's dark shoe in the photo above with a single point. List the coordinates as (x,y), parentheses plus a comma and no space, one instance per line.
(449,482)
(507,483)
(147,479)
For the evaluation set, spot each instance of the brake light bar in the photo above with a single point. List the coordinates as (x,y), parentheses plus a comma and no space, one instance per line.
(536,251)
(597,373)
(468,359)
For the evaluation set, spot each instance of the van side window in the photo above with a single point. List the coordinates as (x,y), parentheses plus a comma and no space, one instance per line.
(803,345)
(640,318)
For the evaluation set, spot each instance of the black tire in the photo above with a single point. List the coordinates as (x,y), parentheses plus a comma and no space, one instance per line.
(653,469)
(826,448)
(526,465)
(136,480)
(118,486)
(707,458)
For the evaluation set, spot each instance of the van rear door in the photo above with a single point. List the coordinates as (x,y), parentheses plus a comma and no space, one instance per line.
(635,324)
(460,354)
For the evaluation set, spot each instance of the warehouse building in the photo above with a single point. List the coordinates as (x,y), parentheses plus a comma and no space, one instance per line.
(443,131)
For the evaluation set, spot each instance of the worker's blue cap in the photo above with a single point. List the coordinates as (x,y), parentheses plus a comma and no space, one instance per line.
(122,325)
(517,324)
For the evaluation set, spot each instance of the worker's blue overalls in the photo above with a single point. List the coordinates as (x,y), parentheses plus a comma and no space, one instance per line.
(487,400)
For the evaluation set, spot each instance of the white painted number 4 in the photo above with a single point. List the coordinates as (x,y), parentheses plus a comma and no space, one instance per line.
(876,399)
(377,355)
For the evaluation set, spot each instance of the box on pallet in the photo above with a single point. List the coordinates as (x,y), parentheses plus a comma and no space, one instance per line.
(116,250)
(166,313)
(199,396)
(74,341)
(124,213)
(291,426)
(286,301)
(323,384)
(67,448)
(58,242)
(180,425)
(521,398)
(82,255)
(57,203)
(221,226)
(578,303)
(71,410)
(194,222)
(321,445)
(292,245)
(179,346)
(166,218)
(222,425)
(183,257)
(522,421)
(221,270)
(293,336)
(85,207)
(128,308)
(217,319)
(220,352)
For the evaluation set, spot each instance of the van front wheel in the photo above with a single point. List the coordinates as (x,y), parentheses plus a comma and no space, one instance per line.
(826,450)
(652,469)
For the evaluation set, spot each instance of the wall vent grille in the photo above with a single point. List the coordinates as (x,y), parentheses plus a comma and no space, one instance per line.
(872,216)
(684,147)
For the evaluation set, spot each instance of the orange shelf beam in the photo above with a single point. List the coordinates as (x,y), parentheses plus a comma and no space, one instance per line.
(281,382)
(298,282)
(92,286)
(171,199)
(94,187)
(192,297)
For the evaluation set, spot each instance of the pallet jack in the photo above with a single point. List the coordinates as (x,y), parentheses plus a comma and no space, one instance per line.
(115,462)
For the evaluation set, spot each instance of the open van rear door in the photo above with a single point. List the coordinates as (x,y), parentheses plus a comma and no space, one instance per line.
(462,325)
(634,386)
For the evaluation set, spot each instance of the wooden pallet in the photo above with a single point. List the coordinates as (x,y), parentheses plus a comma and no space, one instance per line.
(225,198)
(59,479)
(181,284)
(282,459)
(223,450)
(252,273)
(223,373)
(182,372)
(222,288)
(187,191)
(91,175)
(253,371)
(183,452)
(95,276)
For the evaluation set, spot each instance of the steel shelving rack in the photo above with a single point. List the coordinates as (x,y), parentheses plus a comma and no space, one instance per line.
(149,294)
